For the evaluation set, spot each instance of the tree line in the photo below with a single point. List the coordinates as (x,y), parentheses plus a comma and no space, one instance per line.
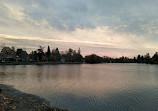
(55,55)
(8,54)
(93,58)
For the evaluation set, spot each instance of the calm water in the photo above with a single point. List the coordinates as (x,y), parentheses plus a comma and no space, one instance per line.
(100,87)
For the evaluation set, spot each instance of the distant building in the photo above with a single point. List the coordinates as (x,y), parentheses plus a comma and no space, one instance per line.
(22,55)
(63,59)
(8,54)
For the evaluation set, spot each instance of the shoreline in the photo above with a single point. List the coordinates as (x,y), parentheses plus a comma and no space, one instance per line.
(39,63)
(15,100)
(60,63)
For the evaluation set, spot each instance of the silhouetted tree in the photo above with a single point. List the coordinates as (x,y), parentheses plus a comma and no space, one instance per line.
(48,52)
(10,55)
(56,56)
(134,60)
(154,59)
(138,59)
(40,53)
(93,59)
(33,56)
(147,58)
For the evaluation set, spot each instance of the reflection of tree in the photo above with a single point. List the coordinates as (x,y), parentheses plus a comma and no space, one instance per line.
(62,72)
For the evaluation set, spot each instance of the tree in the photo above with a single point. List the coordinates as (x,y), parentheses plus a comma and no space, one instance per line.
(147,58)
(40,53)
(93,59)
(154,59)
(79,51)
(33,56)
(138,59)
(48,52)
(56,56)
(134,60)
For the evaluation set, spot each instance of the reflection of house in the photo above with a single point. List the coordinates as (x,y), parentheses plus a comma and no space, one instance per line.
(8,54)
(21,55)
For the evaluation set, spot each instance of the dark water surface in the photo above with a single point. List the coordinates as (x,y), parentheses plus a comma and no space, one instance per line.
(98,87)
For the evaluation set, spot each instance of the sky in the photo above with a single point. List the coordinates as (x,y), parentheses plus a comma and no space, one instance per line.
(105,27)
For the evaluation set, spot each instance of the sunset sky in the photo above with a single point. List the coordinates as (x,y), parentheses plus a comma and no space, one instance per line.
(105,27)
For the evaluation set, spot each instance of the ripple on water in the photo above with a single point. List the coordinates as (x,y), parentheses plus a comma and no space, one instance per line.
(101,87)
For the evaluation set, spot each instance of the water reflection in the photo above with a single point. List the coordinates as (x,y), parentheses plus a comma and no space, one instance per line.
(88,87)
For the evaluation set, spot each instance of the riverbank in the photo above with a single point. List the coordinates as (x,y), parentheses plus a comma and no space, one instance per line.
(14,100)
(38,63)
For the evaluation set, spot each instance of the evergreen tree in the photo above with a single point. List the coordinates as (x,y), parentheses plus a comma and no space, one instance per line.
(48,52)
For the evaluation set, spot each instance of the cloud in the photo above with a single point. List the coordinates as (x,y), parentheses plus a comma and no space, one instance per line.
(102,41)
(70,15)
(116,24)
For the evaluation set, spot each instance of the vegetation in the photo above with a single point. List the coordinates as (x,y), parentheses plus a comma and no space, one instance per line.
(93,59)
(139,59)
(11,56)
(14,100)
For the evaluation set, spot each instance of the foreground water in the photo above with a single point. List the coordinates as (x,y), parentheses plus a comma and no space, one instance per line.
(85,87)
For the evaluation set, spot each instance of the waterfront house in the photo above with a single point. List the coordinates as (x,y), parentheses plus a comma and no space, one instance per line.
(22,55)
(8,54)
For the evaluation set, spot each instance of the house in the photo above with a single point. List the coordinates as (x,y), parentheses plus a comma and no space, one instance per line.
(8,54)
(63,59)
(22,55)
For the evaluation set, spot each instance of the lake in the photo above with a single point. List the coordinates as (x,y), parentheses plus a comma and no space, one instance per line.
(88,87)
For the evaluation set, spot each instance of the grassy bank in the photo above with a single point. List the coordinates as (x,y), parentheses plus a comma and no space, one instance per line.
(14,100)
